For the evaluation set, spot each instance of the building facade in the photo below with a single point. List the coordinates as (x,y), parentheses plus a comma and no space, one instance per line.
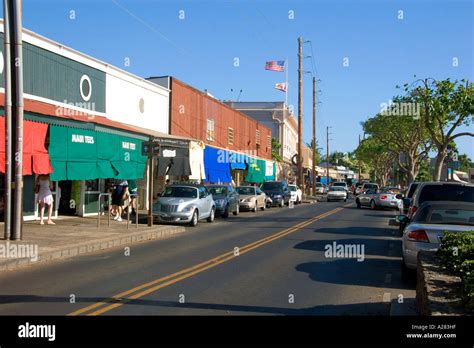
(236,147)
(284,127)
(89,119)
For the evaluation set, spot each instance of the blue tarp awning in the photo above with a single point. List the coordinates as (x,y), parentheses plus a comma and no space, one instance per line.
(238,160)
(217,166)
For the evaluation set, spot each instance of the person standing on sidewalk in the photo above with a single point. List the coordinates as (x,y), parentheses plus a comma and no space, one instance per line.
(43,188)
(118,199)
(133,190)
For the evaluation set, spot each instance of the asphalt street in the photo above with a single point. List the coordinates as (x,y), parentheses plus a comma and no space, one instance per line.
(265,263)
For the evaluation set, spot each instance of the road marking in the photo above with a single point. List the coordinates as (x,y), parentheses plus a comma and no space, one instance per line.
(162,282)
(386,297)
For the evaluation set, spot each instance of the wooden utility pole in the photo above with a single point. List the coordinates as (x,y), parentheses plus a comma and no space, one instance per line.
(359,180)
(300,112)
(327,156)
(314,137)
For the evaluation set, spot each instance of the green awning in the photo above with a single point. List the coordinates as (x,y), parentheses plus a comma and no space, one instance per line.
(256,171)
(81,154)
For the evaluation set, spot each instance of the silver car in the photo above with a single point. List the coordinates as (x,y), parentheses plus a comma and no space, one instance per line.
(337,193)
(427,227)
(375,200)
(184,204)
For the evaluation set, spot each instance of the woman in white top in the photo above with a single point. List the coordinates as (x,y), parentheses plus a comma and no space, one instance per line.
(45,197)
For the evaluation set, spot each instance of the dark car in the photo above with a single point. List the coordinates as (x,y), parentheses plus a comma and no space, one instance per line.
(278,191)
(227,199)
(407,199)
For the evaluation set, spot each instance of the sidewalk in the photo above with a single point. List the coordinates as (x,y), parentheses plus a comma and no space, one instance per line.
(76,236)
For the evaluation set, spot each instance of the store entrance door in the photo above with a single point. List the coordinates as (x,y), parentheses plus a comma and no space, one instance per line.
(69,197)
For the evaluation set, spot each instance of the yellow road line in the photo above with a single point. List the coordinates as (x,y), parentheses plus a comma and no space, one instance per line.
(190,271)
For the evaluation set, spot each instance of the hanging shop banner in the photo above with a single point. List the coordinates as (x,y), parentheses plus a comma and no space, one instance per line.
(216,163)
(35,156)
(256,171)
(196,160)
(270,170)
(82,154)
(174,157)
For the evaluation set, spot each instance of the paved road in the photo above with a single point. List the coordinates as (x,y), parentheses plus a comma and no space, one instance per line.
(264,263)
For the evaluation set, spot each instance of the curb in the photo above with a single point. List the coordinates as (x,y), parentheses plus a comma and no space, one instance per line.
(93,246)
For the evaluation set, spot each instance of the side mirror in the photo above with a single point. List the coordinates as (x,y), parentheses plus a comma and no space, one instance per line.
(399,196)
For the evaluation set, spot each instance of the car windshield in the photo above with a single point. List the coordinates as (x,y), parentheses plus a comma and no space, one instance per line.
(292,188)
(339,184)
(370,186)
(336,188)
(182,192)
(218,190)
(246,190)
(447,216)
(271,186)
(318,184)
(456,193)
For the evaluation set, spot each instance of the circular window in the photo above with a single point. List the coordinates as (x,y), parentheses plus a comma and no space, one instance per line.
(85,87)
(141,105)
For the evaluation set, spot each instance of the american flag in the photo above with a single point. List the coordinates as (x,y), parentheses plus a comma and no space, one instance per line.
(275,65)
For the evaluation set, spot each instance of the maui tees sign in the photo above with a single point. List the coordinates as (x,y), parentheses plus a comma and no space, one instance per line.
(83,139)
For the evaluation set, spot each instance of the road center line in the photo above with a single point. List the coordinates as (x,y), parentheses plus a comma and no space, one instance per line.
(165,281)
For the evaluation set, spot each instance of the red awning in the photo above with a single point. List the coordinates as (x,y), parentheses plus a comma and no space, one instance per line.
(35,155)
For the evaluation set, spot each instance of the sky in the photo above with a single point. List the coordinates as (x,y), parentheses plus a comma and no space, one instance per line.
(222,45)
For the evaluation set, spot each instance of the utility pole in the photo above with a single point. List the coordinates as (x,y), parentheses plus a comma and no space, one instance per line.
(8,121)
(327,155)
(359,162)
(314,138)
(14,121)
(300,111)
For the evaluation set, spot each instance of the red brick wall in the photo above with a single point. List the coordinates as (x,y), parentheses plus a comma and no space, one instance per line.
(190,110)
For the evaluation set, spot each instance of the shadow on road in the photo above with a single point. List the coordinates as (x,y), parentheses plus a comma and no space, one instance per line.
(375,308)
(374,247)
(370,272)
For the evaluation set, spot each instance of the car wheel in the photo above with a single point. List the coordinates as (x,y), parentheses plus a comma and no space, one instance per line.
(194,219)
(345,200)
(358,204)
(212,216)
(373,205)
(254,210)
(263,207)
(225,214)
(237,210)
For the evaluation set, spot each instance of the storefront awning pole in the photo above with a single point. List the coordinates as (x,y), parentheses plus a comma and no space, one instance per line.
(150,187)
(8,121)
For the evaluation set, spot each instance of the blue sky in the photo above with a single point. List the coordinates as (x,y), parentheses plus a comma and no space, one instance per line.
(200,49)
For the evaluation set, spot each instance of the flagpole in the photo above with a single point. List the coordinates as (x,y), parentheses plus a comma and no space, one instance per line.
(286,72)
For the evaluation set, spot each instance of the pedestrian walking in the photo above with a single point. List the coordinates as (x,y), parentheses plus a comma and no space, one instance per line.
(43,188)
(118,199)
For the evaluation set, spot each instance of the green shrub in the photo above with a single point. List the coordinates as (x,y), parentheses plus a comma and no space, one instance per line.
(457,254)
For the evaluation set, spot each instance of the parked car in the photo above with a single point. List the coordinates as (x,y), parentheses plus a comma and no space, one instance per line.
(439,191)
(226,199)
(408,197)
(358,189)
(296,194)
(341,184)
(378,199)
(319,188)
(184,204)
(337,193)
(369,185)
(278,191)
(425,230)
(251,198)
